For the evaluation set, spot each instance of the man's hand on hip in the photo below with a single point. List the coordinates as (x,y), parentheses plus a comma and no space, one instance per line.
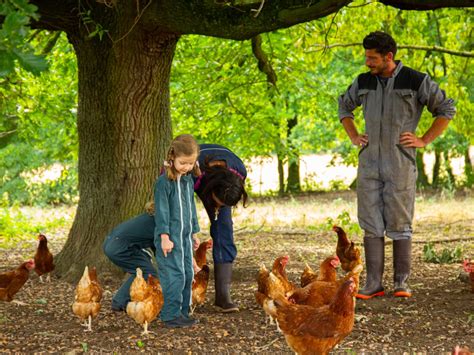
(360,140)
(410,140)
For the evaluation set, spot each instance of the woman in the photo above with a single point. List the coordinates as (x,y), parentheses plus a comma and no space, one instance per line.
(220,186)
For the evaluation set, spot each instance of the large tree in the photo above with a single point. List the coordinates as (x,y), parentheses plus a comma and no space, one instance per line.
(124,51)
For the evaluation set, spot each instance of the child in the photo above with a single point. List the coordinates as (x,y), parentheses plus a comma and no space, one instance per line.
(175,225)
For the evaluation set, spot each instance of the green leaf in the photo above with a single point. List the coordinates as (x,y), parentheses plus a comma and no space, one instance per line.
(31,62)
(6,63)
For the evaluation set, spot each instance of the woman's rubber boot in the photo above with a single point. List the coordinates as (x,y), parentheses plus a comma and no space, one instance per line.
(374,260)
(223,278)
(401,267)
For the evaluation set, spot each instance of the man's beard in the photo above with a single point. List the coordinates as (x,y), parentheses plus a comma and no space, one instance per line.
(379,69)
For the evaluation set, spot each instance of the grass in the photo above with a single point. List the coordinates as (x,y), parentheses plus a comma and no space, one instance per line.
(311,212)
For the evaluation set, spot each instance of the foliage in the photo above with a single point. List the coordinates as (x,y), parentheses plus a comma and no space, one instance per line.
(40,114)
(445,256)
(17,225)
(221,96)
(344,221)
(14,31)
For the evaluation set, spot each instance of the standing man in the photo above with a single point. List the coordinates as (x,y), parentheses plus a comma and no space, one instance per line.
(392,97)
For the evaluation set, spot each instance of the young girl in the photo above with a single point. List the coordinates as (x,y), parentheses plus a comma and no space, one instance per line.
(220,186)
(175,225)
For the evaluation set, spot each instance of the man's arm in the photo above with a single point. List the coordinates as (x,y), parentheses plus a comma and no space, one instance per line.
(408,139)
(351,130)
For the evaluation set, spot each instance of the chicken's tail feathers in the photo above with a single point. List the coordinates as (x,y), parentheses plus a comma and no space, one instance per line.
(269,307)
(86,272)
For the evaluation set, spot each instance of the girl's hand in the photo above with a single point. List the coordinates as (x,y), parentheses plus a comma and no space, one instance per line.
(166,244)
(196,242)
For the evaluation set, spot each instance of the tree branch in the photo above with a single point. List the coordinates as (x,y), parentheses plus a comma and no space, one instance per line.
(427,5)
(264,64)
(233,19)
(466,54)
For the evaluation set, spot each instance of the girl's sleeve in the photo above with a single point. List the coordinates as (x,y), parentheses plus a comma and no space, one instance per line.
(162,207)
(195,222)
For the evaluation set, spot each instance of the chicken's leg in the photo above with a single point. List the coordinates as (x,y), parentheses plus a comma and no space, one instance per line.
(89,325)
(41,278)
(145,328)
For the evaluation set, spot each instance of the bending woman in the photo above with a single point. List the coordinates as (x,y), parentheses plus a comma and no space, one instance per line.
(221,186)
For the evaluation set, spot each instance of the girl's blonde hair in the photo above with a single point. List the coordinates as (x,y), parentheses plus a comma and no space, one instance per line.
(182,145)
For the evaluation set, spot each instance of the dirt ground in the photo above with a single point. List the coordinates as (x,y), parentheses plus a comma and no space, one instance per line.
(439,316)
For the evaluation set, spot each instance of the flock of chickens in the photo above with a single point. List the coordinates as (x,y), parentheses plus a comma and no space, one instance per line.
(313,317)
(146,296)
(316,316)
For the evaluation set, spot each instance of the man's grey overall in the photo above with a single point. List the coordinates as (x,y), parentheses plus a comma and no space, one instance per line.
(387,171)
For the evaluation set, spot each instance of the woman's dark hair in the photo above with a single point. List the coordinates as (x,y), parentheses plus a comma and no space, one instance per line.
(227,186)
(380,41)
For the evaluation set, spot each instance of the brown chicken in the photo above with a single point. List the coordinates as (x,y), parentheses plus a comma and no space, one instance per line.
(327,271)
(279,270)
(468,266)
(273,284)
(201,280)
(316,330)
(346,250)
(200,254)
(278,284)
(145,311)
(87,297)
(139,289)
(12,281)
(43,259)
(461,350)
(319,293)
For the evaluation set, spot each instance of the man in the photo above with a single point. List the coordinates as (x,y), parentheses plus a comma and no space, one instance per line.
(392,97)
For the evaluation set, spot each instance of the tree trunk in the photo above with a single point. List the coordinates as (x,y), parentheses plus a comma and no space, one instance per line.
(468,168)
(281,176)
(293,182)
(422,180)
(124,127)
(449,169)
(436,168)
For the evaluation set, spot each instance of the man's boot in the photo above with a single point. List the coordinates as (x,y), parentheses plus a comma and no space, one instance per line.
(222,279)
(401,267)
(374,260)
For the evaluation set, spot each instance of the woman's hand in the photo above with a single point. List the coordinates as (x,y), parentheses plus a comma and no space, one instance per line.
(196,242)
(166,244)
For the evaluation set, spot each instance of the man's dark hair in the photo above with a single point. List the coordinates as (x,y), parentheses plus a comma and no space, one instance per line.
(380,41)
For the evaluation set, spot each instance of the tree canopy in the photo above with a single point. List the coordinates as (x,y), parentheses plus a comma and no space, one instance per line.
(125,52)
